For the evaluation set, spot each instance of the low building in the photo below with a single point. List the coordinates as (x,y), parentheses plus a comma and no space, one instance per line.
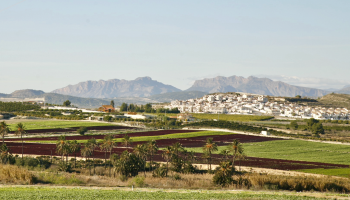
(106,108)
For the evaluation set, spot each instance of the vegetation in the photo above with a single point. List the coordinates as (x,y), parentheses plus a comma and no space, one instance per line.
(82,130)
(15,175)
(295,150)
(343,172)
(226,117)
(17,106)
(54,124)
(145,108)
(95,194)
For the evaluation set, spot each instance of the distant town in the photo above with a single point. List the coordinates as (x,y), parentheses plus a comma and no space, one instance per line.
(253,104)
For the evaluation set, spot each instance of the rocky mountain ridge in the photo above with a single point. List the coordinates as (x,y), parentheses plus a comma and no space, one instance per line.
(253,85)
(140,87)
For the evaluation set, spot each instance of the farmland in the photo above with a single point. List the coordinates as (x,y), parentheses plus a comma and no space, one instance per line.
(261,151)
(297,150)
(225,117)
(94,194)
(56,124)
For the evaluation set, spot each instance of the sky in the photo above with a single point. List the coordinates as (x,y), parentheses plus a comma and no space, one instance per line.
(46,45)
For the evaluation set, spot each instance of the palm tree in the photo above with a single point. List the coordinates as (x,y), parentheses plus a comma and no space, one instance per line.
(152,148)
(225,153)
(20,130)
(141,151)
(107,145)
(236,148)
(4,154)
(61,146)
(177,148)
(92,144)
(86,152)
(4,130)
(208,149)
(126,140)
(75,148)
(167,153)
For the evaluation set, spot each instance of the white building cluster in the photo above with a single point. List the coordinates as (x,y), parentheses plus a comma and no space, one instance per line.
(252,104)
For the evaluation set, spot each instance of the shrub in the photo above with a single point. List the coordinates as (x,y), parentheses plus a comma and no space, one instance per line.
(139,181)
(15,174)
(64,167)
(160,172)
(82,130)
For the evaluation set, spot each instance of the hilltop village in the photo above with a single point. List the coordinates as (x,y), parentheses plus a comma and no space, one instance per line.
(252,104)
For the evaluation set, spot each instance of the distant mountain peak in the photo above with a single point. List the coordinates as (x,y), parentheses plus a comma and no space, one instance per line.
(254,85)
(140,87)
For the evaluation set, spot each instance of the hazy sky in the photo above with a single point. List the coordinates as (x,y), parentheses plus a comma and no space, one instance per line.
(49,44)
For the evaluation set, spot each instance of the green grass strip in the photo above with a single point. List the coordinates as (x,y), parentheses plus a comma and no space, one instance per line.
(53,124)
(157,137)
(296,150)
(96,194)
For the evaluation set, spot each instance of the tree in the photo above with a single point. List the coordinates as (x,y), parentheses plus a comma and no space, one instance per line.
(5,155)
(176,160)
(107,145)
(236,148)
(223,174)
(107,118)
(310,122)
(128,164)
(317,129)
(124,107)
(75,148)
(92,145)
(298,97)
(20,130)
(152,148)
(4,130)
(208,149)
(112,103)
(82,130)
(141,151)
(67,103)
(167,156)
(126,141)
(62,147)
(86,152)
(293,125)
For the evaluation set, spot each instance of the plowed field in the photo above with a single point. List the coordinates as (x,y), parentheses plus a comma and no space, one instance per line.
(50,149)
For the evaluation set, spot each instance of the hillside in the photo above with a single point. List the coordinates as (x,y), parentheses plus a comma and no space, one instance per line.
(333,100)
(253,85)
(171,96)
(140,87)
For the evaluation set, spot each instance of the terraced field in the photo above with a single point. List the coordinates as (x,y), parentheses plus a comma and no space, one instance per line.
(261,151)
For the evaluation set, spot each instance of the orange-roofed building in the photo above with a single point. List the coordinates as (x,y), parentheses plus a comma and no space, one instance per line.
(106,108)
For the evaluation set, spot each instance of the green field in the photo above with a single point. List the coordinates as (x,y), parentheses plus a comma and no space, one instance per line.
(52,124)
(158,137)
(344,172)
(241,118)
(46,193)
(296,150)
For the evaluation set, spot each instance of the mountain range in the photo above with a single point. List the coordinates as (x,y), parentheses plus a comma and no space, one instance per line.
(145,90)
(140,87)
(253,85)
(146,87)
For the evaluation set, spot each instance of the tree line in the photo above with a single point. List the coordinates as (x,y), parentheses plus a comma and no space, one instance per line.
(145,108)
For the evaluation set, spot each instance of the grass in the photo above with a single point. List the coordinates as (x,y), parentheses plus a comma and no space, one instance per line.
(15,175)
(296,150)
(241,118)
(53,124)
(157,137)
(95,194)
(343,172)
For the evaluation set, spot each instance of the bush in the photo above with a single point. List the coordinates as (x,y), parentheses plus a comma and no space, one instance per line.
(160,172)
(82,130)
(139,181)
(64,167)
